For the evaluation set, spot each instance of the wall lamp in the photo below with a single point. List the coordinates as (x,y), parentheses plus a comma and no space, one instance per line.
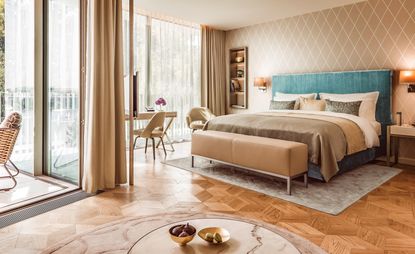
(408,78)
(261,84)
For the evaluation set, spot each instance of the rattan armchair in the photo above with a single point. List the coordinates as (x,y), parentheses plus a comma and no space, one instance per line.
(9,130)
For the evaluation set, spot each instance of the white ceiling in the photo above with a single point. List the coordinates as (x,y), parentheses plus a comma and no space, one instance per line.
(231,14)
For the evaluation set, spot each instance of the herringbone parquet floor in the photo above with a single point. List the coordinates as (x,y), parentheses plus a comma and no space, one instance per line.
(381,222)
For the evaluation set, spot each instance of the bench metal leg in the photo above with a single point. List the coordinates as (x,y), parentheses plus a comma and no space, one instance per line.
(306,179)
(193,161)
(289,185)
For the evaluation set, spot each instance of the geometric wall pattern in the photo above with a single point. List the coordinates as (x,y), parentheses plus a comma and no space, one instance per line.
(375,34)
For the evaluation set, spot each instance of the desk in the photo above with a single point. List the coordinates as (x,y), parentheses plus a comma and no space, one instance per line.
(394,133)
(170,115)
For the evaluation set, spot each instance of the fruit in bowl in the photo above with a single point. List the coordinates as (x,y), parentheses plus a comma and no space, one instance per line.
(214,235)
(182,234)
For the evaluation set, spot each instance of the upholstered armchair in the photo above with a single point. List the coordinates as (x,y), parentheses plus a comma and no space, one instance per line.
(9,130)
(197,118)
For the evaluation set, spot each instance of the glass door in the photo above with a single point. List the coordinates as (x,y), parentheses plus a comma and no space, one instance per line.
(17,58)
(63,89)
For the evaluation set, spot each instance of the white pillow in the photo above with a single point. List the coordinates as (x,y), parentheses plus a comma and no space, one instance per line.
(367,108)
(312,105)
(294,97)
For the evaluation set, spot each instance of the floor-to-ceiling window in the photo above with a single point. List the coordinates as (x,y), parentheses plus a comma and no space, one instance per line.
(175,70)
(40,73)
(63,82)
(17,60)
(167,57)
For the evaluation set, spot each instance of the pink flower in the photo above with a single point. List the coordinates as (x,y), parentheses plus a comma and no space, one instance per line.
(161,101)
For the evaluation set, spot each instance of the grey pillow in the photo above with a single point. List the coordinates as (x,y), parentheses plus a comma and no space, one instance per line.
(351,107)
(281,105)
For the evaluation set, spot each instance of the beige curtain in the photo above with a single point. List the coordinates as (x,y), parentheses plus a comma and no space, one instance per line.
(105,150)
(214,70)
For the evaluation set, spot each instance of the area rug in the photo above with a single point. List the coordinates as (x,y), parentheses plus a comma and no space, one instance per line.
(130,235)
(332,197)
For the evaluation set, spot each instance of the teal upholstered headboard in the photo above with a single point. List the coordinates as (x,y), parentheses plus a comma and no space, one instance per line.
(342,82)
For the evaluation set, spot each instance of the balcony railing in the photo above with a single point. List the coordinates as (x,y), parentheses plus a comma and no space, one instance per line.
(63,118)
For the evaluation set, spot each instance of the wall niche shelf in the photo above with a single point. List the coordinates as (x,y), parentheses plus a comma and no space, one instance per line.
(238,76)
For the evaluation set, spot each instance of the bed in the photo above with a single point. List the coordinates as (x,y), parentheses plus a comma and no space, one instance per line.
(328,156)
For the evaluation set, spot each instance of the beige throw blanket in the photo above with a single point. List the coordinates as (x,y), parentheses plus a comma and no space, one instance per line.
(328,138)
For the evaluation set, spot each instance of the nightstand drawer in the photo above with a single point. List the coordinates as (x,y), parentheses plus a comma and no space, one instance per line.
(402,130)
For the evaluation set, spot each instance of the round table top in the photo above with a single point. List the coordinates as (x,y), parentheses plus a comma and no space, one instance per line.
(245,238)
(149,234)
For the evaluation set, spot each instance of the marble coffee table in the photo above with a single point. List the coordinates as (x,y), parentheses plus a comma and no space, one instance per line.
(149,234)
(245,238)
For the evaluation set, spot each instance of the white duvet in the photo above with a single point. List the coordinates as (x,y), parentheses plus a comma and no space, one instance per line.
(368,129)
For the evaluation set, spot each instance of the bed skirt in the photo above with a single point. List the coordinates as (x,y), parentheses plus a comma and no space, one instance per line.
(349,162)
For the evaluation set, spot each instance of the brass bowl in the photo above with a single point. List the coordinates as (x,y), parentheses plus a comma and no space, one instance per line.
(223,233)
(182,241)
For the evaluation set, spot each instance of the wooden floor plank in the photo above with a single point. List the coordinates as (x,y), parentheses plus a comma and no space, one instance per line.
(381,222)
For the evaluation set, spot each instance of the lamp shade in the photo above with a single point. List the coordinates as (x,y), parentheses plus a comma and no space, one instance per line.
(407,77)
(259,82)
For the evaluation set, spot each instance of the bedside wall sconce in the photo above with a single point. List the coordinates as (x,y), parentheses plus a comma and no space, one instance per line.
(261,84)
(408,78)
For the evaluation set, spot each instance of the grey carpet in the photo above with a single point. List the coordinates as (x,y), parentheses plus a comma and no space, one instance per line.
(332,197)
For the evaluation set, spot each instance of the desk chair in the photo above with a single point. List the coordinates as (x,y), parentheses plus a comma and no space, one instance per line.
(154,129)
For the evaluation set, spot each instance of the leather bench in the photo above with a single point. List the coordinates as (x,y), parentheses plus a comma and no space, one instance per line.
(280,158)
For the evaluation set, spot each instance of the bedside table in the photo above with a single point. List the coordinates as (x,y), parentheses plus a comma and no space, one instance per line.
(394,133)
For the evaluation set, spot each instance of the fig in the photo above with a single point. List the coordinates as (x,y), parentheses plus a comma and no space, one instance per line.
(189,229)
(183,234)
(209,237)
(177,230)
(217,238)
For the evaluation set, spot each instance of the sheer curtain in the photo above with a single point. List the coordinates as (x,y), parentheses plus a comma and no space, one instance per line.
(140,55)
(175,58)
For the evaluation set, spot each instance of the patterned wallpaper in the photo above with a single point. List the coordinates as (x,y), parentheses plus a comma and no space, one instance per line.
(375,34)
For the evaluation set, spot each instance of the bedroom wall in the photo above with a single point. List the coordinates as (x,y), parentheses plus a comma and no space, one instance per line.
(375,34)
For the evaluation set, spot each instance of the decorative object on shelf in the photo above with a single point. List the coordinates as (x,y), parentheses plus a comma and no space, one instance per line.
(161,103)
(240,73)
(182,234)
(235,86)
(261,84)
(408,78)
(239,59)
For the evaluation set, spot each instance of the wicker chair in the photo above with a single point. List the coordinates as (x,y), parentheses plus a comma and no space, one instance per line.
(197,118)
(9,129)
